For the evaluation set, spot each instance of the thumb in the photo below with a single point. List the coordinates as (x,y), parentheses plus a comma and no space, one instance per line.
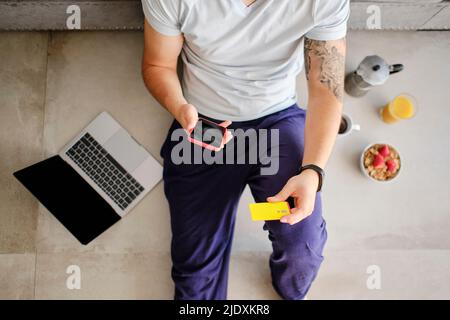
(282,195)
(190,117)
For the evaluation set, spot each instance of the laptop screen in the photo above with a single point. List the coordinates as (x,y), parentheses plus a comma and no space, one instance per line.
(69,198)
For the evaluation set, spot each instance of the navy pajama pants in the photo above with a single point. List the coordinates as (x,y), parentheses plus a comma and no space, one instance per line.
(203,200)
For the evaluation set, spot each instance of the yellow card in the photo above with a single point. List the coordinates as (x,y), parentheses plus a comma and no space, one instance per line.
(269,210)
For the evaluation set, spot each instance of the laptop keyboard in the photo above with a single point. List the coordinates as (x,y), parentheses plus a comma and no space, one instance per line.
(106,172)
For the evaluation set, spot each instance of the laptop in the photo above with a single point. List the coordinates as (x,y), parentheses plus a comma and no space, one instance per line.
(95,180)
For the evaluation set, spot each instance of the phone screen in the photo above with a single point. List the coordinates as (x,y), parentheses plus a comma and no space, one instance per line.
(208,132)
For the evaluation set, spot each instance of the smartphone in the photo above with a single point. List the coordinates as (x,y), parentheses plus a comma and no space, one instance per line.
(207,134)
(269,210)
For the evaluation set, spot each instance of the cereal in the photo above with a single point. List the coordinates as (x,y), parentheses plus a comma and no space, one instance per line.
(381,173)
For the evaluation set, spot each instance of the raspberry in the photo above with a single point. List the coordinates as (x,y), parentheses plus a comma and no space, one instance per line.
(391,165)
(384,151)
(378,161)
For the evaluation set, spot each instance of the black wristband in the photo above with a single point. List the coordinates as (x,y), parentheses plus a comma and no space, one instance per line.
(319,172)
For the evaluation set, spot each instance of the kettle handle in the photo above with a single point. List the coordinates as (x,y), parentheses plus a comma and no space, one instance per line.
(394,68)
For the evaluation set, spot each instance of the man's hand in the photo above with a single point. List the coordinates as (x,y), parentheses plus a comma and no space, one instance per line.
(187,116)
(303,189)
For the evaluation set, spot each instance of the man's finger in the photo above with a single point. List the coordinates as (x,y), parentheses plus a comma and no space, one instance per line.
(282,195)
(293,218)
(297,215)
(225,124)
(191,121)
(190,117)
(226,139)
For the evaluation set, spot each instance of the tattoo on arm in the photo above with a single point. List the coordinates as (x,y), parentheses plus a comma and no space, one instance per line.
(332,64)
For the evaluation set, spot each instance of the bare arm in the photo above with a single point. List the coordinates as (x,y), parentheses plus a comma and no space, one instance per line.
(159,70)
(324,64)
(325,68)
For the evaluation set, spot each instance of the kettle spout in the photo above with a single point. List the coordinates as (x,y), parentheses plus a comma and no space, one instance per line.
(394,68)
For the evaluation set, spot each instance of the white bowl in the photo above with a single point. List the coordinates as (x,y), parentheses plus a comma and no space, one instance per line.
(363,169)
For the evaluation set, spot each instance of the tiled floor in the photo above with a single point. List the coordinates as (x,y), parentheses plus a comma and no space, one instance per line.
(53,84)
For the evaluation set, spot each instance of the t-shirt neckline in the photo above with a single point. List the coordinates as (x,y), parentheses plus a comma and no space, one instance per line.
(244,8)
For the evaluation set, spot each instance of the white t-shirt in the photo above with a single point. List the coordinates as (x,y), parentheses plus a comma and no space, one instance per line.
(241,63)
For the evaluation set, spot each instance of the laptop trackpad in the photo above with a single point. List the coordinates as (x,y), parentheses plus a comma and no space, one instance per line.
(125,150)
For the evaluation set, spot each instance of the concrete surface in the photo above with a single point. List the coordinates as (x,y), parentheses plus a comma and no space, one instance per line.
(17,272)
(400,227)
(23,64)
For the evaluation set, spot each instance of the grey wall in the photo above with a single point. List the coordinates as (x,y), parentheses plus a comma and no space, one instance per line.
(112,15)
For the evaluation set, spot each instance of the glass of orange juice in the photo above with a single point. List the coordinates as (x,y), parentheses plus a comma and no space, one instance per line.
(402,107)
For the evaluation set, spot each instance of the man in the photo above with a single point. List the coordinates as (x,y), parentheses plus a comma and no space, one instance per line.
(240,62)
